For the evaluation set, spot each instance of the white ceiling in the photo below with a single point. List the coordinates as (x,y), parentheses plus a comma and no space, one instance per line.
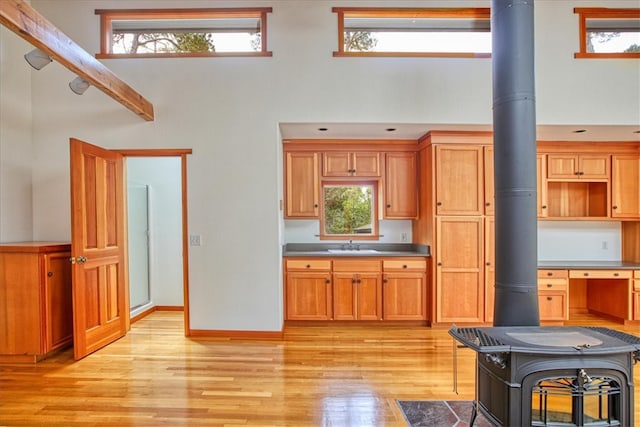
(413,131)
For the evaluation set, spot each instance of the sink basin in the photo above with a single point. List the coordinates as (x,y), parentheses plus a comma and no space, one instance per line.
(352,251)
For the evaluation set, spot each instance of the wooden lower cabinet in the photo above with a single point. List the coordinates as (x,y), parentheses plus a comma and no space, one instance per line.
(553,295)
(36,310)
(308,290)
(356,289)
(459,289)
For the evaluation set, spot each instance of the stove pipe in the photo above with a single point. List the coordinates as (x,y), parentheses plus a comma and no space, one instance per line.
(514,138)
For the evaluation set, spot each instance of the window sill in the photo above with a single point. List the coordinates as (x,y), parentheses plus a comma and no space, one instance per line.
(183,55)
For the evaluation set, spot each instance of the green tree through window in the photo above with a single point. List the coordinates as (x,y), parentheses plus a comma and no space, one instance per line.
(348,209)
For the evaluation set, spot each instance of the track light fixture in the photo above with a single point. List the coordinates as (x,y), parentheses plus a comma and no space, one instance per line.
(37,59)
(79,85)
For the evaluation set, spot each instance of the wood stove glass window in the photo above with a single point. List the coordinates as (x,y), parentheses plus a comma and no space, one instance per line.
(578,400)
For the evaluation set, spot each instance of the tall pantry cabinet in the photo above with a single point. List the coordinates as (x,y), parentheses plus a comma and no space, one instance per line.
(36,311)
(456,192)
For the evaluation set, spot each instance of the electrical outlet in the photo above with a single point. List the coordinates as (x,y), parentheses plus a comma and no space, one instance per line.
(195,240)
(403,237)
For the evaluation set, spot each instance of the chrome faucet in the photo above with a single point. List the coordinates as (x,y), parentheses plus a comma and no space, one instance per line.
(350,246)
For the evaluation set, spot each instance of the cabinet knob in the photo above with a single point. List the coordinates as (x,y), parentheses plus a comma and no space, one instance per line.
(388,206)
(439,203)
(327,281)
(616,274)
(549,285)
(544,206)
(586,274)
(404,266)
(488,263)
(549,298)
(308,265)
(385,281)
(549,273)
(50,274)
(439,264)
(615,206)
(487,204)
(315,206)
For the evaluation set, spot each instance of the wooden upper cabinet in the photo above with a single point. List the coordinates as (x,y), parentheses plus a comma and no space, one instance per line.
(459,180)
(302,185)
(541,179)
(401,189)
(341,164)
(489,190)
(625,184)
(578,166)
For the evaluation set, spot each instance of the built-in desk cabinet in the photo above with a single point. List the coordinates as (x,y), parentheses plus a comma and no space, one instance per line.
(36,310)
(553,295)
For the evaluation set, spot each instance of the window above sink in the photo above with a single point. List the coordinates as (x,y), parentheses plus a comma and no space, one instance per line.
(348,210)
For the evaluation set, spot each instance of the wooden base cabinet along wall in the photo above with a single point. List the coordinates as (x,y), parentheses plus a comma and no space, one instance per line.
(35,300)
(404,289)
(308,289)
(357,290)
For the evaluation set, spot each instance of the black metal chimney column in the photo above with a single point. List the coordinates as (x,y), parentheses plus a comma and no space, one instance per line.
(514,137)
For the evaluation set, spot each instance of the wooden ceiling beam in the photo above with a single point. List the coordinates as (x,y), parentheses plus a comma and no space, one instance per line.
(26,22)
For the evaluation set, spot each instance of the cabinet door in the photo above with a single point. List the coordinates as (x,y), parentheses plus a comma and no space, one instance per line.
(369,296)
(552,306)
(404,296)
(58,301)
(489,190)
(594,166)
(459,180)
(336,164)
(401,192)
(308,296)
(541,175)
(636,305)
(459,269)
(625,184)
(489,267)
(302,186)
(344,296)
(562,166)
(365,164)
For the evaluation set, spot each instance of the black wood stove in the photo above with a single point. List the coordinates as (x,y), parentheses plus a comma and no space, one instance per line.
(553,376)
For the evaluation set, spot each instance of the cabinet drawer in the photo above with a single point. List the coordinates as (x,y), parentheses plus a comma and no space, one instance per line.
(308,265)
(404,265)
(552,285)
(600,274)
(636,285)
(356,266)
(636,274)
(552,273)
(553,306)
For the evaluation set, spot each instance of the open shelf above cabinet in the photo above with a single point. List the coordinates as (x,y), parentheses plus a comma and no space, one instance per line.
(577,199)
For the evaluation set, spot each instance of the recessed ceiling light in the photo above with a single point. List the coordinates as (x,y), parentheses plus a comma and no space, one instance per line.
(579,131)
(323,129)
(390,129)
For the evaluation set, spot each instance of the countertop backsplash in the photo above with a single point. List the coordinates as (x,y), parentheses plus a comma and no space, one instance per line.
(307,231)
(579,241)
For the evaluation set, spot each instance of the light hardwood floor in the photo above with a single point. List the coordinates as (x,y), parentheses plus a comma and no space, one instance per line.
(316,376)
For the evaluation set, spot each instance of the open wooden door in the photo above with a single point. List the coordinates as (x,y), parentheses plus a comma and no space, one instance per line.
(98,248)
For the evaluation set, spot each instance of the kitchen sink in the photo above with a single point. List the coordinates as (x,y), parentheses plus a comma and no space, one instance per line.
(352,251)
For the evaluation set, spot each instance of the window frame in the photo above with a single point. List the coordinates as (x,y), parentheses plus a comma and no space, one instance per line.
(107,16)
(585,13)
(364,12)
(375,233)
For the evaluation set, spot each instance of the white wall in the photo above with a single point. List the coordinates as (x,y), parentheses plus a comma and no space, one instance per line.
(163,176)
(16,151)
(227,110)
(579,241)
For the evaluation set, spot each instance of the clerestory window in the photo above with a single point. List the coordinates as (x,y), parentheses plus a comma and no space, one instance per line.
(609,33)
(183,32)
(449,32)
